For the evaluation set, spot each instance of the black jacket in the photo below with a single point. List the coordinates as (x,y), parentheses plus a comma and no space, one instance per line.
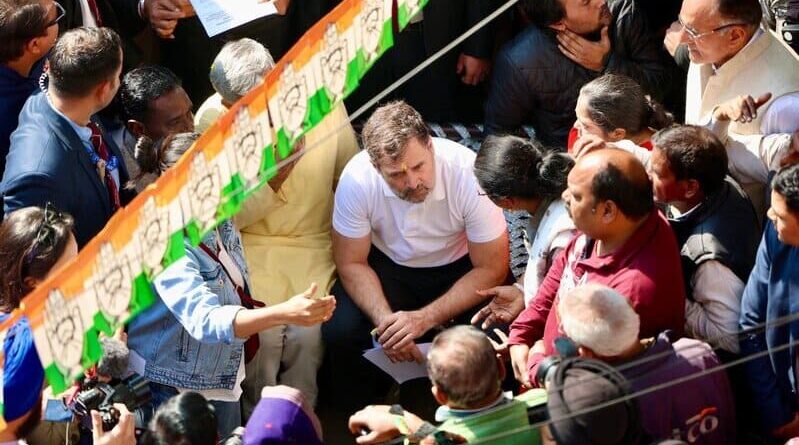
(120,15)
(533,83)
(723,228)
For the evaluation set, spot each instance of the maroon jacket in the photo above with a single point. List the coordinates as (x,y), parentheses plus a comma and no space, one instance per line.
(646,269)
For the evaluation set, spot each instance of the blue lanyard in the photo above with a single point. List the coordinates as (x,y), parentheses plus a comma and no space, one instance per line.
(110,165)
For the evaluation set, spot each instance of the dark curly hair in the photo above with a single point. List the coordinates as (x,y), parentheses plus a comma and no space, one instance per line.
(786,183)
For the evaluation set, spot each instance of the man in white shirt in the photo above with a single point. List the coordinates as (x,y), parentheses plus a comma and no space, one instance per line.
(732,55)
(414,238)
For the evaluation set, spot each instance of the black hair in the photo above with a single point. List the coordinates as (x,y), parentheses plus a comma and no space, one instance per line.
(786,183)
(741,11)
(694,153)
(82,59)
(615,101)
(141,86)
(154,158)
(512,167)
(20,21)
(186,419)
(32,240)
(632,195)
(544,12)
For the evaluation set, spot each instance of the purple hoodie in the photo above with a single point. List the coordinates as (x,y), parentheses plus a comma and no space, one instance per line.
(700,410)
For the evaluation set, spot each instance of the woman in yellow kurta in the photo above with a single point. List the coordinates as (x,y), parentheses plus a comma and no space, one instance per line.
(285,230)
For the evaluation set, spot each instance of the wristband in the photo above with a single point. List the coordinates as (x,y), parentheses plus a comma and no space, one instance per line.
(519,286)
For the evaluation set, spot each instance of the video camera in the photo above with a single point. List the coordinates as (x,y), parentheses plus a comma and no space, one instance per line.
(133,392)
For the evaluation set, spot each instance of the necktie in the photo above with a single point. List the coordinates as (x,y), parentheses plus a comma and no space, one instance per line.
(95,12)
(102,150)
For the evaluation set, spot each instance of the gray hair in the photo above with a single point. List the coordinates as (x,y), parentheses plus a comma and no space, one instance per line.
(463,365)
(239,67)
(600,319)
(389,129)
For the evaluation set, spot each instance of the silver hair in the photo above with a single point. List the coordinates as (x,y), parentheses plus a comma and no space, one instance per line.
(600,319)
(239,67)
(463,365)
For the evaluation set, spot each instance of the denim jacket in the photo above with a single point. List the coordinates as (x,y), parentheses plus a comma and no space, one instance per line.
(186,337)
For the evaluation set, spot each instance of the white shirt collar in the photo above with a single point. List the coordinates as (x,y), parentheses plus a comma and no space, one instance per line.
(755,36)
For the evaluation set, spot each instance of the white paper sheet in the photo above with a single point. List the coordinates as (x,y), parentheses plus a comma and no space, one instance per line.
(402,371)
(218,16)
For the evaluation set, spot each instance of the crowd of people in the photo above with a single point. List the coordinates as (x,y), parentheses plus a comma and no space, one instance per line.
(610,255)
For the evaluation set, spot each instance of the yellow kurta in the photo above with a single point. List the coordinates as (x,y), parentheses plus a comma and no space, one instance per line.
(286,235)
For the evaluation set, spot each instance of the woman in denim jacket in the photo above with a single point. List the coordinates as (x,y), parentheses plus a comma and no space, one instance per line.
(193,337)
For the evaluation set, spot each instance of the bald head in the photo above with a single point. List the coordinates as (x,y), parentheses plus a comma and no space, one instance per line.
(462,363)
(618,176)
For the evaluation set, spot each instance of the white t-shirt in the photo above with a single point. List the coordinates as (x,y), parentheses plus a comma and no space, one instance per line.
(427,234)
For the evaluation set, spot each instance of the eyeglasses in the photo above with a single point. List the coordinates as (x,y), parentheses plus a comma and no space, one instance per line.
(698,35)
(46,235)
(59,16)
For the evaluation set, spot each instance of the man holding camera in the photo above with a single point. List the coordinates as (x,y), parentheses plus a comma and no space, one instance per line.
(23,383)
(604,326)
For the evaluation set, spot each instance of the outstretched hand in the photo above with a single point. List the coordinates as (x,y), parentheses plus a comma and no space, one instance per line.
(742,109)
(507,302)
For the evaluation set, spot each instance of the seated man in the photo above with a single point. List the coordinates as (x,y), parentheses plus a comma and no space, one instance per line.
(466,377)
(59,154)
(715,225)
(414,239)
(154,105)
(603,325)
(769,297)
(238,68)
(625,244)
(285,228)
(728,48)
(538,75)
(28,29)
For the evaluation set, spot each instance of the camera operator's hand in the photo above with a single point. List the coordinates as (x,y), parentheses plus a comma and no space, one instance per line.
(122,434)
(379,424)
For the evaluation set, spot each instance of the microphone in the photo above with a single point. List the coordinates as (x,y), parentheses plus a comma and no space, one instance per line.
(113,364)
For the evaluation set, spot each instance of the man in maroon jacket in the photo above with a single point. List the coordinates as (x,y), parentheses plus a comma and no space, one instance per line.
(625,244)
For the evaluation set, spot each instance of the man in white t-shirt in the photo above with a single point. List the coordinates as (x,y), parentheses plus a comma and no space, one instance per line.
(414,237)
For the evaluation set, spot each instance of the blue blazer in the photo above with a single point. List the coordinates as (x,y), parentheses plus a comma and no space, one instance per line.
(48,163)
(769,298)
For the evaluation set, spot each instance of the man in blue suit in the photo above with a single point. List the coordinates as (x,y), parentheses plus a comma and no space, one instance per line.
(58,153)
(767,300)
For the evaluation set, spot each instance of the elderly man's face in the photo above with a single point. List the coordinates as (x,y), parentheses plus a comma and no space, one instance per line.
(586,16)
(707,33)
(413,175)
(785,220)
(170,114)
